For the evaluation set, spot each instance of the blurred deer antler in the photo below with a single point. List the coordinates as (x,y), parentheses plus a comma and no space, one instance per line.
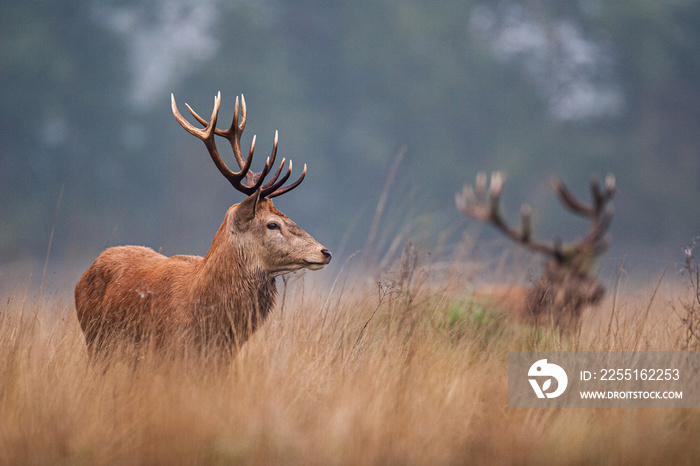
(482,203)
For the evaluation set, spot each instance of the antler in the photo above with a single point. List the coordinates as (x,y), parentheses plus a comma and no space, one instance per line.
(254,181)
(600,212)
(484,206)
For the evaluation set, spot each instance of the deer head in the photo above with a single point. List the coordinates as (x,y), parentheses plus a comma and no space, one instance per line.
(567,284)
(255,222)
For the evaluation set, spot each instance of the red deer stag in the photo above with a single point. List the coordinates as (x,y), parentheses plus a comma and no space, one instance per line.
(132,292)
(567,285)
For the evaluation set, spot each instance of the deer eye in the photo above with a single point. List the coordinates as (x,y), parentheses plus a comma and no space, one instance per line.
(273,226)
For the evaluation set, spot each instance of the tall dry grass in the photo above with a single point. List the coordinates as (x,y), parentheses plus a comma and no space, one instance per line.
(395,367)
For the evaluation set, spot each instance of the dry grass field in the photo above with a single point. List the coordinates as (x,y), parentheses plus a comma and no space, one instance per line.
(396,368)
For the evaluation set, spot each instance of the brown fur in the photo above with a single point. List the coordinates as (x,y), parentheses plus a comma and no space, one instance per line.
(130,292)
(560,296)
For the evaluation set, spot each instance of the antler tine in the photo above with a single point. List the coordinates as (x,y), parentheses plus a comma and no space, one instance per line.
(206,134)
(598,235)
(472,201)
(600,212)
(273,181)
(602,197)
(269,163)
(569,200)
(233,133)
(286,189)
(273,187)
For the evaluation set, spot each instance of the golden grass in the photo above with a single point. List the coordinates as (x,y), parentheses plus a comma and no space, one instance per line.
(404,372)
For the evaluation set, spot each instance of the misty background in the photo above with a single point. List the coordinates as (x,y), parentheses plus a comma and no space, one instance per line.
(91,156)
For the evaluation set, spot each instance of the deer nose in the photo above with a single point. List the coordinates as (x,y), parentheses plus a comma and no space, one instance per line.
(326,254)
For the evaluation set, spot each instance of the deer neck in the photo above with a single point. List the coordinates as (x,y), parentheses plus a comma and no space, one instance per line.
(231,284)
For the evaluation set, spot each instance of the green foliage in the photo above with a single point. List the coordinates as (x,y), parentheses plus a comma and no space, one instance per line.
(472,313)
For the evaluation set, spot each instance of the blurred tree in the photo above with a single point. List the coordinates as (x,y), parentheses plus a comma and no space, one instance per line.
(62,79)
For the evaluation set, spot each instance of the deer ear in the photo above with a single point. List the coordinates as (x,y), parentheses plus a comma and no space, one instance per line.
(246,209)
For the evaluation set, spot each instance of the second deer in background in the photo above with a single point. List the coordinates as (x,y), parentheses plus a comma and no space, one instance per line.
(568,283)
